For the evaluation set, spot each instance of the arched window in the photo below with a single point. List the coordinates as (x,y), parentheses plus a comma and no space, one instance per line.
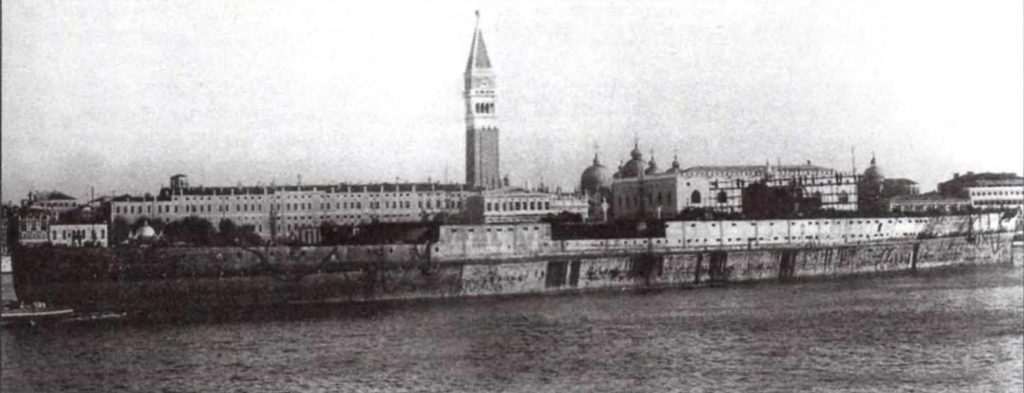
(722,197)
(695,197)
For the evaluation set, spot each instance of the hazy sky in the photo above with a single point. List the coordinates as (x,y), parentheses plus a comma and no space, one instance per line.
(121,95)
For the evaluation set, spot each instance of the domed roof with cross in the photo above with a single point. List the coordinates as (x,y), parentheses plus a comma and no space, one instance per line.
(595,177)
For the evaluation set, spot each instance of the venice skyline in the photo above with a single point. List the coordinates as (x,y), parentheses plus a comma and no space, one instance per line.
(122,97)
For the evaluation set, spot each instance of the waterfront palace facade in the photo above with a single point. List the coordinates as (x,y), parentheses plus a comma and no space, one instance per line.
(640,189)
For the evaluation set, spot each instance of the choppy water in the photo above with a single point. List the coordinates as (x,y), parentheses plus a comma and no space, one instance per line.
(949,331)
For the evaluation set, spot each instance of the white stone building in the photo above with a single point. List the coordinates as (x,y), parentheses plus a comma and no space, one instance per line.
(640,189)
(78,234)
(997,194)
(513,205)
(289,211)
(931,202)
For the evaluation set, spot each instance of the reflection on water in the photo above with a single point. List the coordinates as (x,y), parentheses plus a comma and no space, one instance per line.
(953,330)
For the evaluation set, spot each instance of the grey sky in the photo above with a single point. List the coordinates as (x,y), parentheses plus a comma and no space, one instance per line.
(121,95)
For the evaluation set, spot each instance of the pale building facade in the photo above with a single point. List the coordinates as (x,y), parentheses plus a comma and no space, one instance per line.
(640,189)
(928,203)
(997,194)
(518,205)
(658,196)
(78,235)
(836,190)
(34,225)
(291,211)
(51,201)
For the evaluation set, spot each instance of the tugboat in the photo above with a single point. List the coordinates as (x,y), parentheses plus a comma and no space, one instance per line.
(18,314)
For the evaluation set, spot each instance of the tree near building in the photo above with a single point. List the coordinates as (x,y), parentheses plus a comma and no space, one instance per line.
(120,230)
(191,230)
(227,231)
(246,235)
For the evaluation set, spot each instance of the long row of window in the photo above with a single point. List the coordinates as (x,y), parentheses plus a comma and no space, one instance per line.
(516,206)
(932,207)
(994,193)
(657,200)
(323,195)
(997,202)
(824,222)
(805,237)
(256,207)
(77,234)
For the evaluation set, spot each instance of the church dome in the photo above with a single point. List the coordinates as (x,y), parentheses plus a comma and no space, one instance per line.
(652,168)
(636,154)
(632,168)
(595,178)
(675,169)
(873,173)
(145,231)
(635,166)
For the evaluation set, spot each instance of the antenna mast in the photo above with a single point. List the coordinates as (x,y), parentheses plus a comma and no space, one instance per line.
(853,159)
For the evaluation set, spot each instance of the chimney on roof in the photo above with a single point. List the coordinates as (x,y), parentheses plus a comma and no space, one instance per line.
(956,175)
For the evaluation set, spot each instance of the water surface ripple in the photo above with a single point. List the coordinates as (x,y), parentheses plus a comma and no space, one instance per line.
(947,331)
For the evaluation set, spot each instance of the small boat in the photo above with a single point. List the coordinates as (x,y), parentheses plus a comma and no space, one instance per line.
(32,314)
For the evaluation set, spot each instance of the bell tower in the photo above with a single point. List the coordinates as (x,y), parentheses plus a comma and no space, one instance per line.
(482,170)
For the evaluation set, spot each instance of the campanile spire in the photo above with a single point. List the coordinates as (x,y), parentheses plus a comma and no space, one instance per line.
(482,167)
